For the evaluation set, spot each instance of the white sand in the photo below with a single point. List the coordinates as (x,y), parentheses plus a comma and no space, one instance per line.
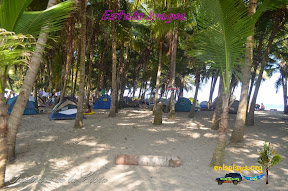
(53,156)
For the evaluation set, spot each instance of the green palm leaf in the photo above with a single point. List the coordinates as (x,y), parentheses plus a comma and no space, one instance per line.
(11,10)
(31,22)
(223,28)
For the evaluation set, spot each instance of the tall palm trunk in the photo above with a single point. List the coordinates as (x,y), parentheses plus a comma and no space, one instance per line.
(284,86)
(158,77)
(238,131)
(120,75)
(69,56)
(125,72)
(90,70)
(174,37)
(3,130)
(197,81)
(218,155)
(250,116)
(79,117)
(112,112)
(19,107)
(218,108)
(212,88)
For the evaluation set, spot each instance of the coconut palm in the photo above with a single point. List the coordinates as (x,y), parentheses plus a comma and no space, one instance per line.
(14,49)
(14,18)
(268,158)
(224,26)
(79,116)
(238,131)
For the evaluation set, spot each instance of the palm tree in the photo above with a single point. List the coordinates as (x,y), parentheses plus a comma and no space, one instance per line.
(79,117)
(238,131)
(10,53)
(268,158)
(279,19)
(112,112)
(15,19)
(221,41)
(158,76)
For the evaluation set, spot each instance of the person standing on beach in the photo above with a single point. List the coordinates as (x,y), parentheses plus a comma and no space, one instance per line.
(262,107)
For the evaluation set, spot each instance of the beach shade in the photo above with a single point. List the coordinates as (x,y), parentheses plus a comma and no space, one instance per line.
(234,107)
(183,105)
(204,104)
(64,110)
(103,102)
(30,108)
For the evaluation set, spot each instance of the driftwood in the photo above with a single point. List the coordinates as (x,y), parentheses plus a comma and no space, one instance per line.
(166,161)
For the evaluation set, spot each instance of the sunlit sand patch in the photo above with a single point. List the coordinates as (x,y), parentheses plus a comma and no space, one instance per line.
(168,122)
(210,135)
(285,171)
(48,138)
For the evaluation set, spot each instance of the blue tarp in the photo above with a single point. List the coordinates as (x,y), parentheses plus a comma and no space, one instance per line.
(183,105)
(103,102)
(29,109)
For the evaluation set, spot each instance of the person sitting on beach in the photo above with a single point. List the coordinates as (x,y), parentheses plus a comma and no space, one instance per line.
(262,107)
(88,109)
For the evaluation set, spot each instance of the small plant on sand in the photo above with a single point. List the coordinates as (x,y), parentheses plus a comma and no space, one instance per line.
(268,158)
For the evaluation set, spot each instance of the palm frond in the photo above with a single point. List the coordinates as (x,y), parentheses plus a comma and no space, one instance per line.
(223,28)
(10,11)
(15,49)
(32,22)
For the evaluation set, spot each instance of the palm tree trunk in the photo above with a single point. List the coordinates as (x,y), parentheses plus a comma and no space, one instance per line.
(19,107)
(112,112)
(212,88)
(238,131)
(218,108)
(174,37)
(219,152)
(125,72)
(79,117)
(69,56)
(158,76)
(284,86)
(197,81)
(266,175)
(3,131)
(90,70)
(250,116)
(119,75)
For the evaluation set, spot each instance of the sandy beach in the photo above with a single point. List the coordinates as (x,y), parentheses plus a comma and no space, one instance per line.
(53,156)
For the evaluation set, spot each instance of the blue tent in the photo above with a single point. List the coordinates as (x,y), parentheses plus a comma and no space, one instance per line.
(64,110)
(183,105)
(204,104)
(103,102)
(29,109)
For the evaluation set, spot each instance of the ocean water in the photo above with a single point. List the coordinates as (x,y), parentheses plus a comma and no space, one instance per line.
(279,107)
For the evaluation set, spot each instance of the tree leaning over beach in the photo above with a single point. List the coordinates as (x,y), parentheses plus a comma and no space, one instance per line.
(36,24)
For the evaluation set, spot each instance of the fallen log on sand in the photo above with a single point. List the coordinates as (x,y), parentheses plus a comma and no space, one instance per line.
(168,161)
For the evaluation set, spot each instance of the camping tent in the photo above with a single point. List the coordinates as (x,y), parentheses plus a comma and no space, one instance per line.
(30,108)
(64,110)
(234,107)
(183,105)
(204,104)
(103,102)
